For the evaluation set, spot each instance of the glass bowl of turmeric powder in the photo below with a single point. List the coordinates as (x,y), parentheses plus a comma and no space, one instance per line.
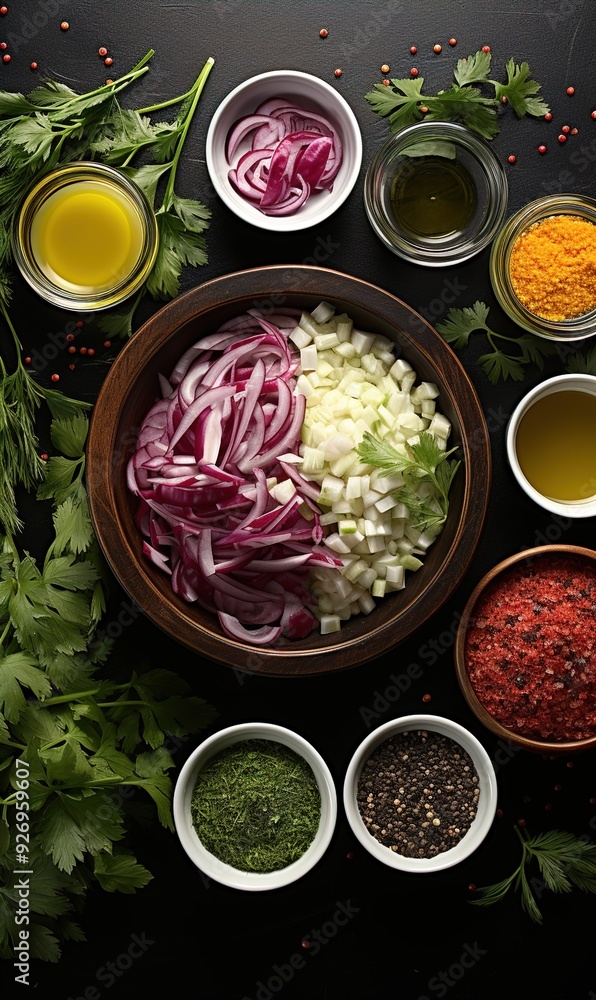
(543,267)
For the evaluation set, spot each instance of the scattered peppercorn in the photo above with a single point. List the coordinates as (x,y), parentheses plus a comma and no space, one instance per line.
(305,943)
(593,114)
(562,138)
(558,788)
(108,61)
(27,361)
(82,350)
(413,71)
(592,801)
(521,822)
(107,343)
(511,159)
(6,57)
(103,51)
(350,855)
(500,813)
(472,887)
(574,131)
(44,456)
(423,109)
(72,350)
(542,150)
(566,129)
(548,117)
(569,764)
(72,367)
(384,68)
(55,378)
(386,83)
(79,324)
(3,45)
(437,48)
(69,337)
(426,697)
(504,99)
(3,10)
(323,33)
(453,41)
(413,50)
(65,26)
(108,82)
(486,48)
(33,66)
(570,91)
(91,352)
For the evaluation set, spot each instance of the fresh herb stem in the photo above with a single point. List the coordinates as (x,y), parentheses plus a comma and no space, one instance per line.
(198,90)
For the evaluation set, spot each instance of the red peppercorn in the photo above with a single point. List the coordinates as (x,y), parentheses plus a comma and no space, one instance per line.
(413,50)
(6,58)
(486,48)
(350,855)
(33,66)
(91,352)
(500,813)
(542,149)
(305,943)
(72,350)
(453,41)
(521,822)
(558,788)
(338,72)
(570,91)
(103,51)
(79,324)
(566,129)
(504,99)
(413,71)
(44,456)
(423,109)
(548,117)
(511,159)
(3,10)
(472,887)
(70,337)
(574,131)
(323,33)
(3,45)
(437,49)
(72,367)
(82,350)
(385,68)
(386,83)
(27,361)
(426,697)
(562,138)
(569,764)
(65,26)
(108,61)
(108,82)
(107,343)
(55,378)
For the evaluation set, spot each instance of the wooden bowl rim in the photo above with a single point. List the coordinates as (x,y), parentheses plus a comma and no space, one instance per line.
(293,280)
(524,742)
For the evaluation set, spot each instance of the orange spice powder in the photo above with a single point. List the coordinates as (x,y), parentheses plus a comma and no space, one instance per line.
(553,267)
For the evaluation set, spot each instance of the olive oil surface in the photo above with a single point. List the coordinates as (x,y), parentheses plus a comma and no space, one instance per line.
(556,445)
(432,197)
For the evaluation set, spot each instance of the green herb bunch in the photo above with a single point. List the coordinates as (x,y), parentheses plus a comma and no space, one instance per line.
(404,103)
(497,364)
(54,125)
(563,861)
(85,740)
(426,466)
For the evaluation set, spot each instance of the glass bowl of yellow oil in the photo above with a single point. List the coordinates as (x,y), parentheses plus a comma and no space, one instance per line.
(85,236)
(435,193)
(551,444)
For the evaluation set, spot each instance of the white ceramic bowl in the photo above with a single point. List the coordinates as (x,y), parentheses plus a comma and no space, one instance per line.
(570,508)
(315,95)
(211,866)
(487,801)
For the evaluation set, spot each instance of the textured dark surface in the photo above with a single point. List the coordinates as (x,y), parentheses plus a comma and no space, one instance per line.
(373,932)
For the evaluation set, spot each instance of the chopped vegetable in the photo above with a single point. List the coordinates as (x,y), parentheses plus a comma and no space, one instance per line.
(293,153)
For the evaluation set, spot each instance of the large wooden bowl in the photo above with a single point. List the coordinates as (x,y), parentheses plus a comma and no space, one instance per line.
(132,385)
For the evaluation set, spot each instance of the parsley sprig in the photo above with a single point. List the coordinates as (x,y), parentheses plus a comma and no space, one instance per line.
(496,364)
(87,739)
(426,472)
(563,860)
(403,101)
(582,364)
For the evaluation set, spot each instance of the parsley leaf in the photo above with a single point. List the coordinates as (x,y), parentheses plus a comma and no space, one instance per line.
(581,364)
(496,364)
(473,69)
(121,872)
(520,90)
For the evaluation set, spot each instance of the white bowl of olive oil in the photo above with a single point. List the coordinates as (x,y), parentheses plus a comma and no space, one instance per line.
(551,445)
(85,237)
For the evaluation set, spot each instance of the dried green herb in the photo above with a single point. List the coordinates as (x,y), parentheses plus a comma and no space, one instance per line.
(256,806)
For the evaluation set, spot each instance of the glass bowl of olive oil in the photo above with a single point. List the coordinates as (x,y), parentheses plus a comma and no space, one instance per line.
(85,237)
(551,444)
(435,193)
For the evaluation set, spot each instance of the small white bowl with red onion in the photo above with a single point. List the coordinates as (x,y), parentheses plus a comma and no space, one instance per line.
(284,150)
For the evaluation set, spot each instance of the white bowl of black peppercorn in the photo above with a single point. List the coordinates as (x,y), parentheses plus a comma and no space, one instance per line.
(420,793)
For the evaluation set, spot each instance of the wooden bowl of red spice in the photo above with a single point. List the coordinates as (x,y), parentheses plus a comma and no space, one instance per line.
(525,651)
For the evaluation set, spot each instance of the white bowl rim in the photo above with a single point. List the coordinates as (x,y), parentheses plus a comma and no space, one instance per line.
(211,866)
(242,208)
(487,803)
(581,381)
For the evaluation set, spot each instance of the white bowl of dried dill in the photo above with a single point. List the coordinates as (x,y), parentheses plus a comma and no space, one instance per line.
(255,806)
